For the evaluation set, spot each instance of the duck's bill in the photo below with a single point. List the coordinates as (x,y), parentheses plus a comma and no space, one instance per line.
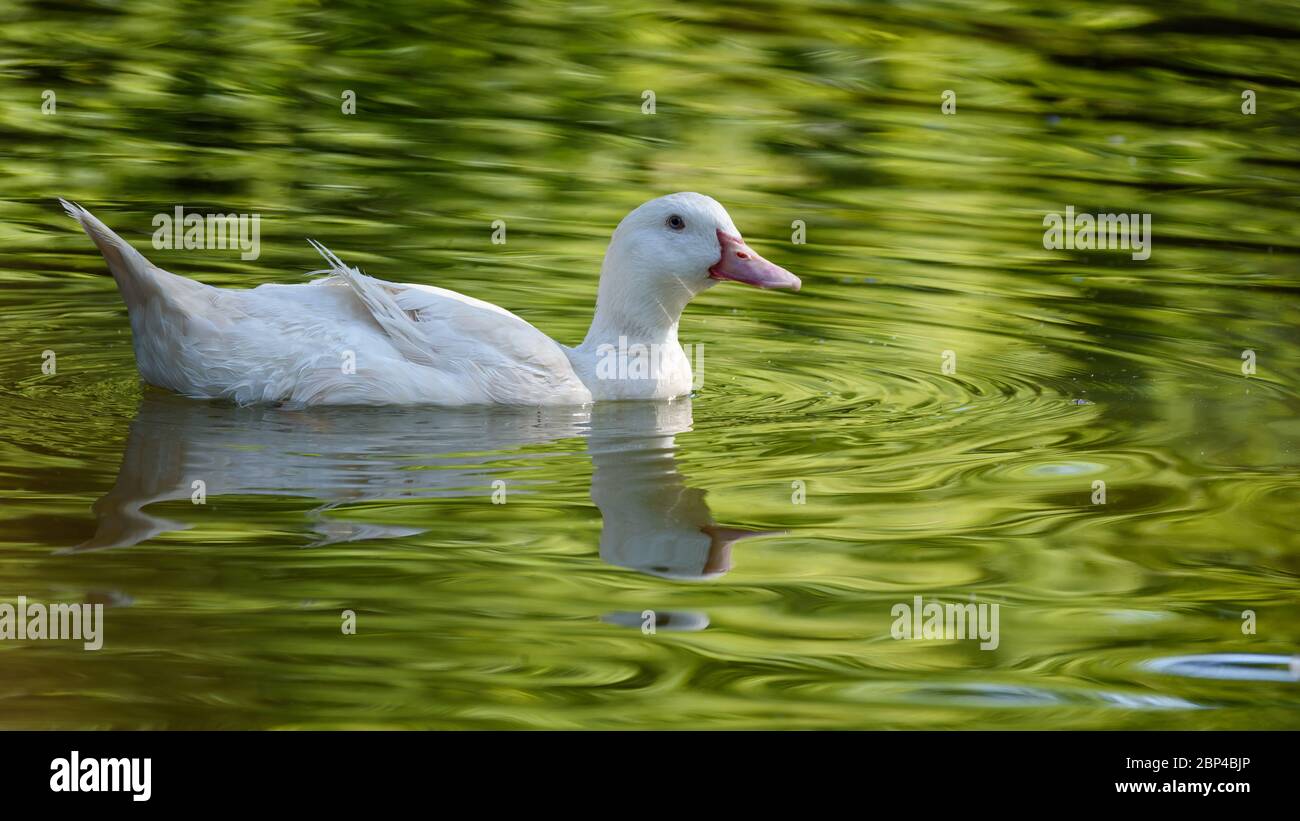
(739,263)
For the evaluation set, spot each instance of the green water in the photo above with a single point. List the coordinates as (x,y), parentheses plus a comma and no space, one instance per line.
(924,235)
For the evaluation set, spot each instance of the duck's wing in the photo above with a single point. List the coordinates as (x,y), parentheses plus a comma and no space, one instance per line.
(507,357)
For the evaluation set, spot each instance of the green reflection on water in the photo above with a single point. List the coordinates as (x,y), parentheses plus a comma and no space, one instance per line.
(924,235)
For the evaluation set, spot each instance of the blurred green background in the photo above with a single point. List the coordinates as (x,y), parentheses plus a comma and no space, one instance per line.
(924,235)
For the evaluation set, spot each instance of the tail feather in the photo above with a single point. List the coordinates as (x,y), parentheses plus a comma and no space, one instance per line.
(402,330)
(136,276)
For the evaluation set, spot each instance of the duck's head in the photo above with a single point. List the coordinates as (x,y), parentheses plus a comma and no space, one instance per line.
(672,248)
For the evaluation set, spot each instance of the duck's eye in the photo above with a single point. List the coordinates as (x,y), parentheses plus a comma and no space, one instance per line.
(676,223)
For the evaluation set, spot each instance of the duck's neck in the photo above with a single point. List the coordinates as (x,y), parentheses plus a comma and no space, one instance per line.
(633,315)
(609,328)
(630,325)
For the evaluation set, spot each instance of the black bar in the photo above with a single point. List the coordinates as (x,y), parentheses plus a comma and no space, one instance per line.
(331,770)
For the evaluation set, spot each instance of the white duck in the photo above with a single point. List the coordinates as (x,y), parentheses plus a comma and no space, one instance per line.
(351,339)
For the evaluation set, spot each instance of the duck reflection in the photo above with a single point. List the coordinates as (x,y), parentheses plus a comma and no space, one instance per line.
(653,522)
(177,448)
